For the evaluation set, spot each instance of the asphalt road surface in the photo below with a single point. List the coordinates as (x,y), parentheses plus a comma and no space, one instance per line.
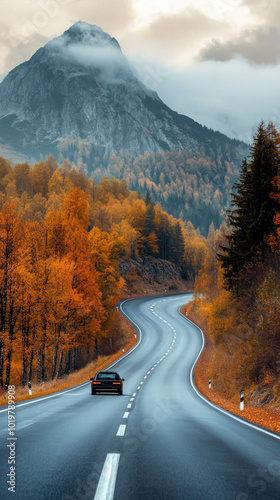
(160,440)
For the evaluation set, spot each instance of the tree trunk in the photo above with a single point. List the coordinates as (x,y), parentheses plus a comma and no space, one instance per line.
(8,369)
(25,341)
(24,370)
(67,362)
(96,348)
(43,364)
(59,364)
(11,338)
(44,346)
(30,367)
(39,367)
(73,359)
(54,361)
(3,321)
(1,362)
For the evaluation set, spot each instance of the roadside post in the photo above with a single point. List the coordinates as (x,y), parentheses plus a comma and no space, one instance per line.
(209,383)
(242,401)
(29,388)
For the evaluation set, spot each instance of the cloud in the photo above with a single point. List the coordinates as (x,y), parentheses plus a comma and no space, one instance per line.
(84,45)
(216,92)
(264,10)
(19,51)
(232,97)
(26,26)
(93,56)
(113,16)
(175,37)
(259,46)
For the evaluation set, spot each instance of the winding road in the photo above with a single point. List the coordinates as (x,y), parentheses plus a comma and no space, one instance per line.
(160,440)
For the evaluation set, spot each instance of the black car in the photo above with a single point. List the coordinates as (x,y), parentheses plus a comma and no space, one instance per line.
(107,382)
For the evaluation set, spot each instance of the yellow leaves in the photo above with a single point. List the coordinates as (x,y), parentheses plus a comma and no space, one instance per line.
(128,238)
(150,243)
(104,251)
(75,208)
(136,215)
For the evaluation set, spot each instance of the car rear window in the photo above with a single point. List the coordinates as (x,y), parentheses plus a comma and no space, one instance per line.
(107,376)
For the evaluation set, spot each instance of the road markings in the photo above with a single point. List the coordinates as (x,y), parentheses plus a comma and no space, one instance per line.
(121,430)
(126,414)
(107,481)
(24,424)
(129,405)
(218,408)
(131,399)
(48,397)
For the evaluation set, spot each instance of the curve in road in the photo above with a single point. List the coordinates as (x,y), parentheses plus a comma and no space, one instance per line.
(161,439)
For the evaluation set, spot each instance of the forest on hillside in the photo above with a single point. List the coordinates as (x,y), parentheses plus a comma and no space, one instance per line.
(237,291)
(193,186)
(62,237)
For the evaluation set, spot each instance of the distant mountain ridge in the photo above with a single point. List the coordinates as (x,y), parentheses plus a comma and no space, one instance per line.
(80,87)
(78,98)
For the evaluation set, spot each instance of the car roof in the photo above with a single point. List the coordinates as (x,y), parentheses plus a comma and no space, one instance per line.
(104,371)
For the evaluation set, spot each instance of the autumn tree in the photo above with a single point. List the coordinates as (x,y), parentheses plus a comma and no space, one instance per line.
(10,250)
(105,249)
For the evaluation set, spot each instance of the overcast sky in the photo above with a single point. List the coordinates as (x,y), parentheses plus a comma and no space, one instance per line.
(217,61)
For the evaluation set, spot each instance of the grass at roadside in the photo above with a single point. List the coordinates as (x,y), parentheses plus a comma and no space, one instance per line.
(77,377)
(264,417)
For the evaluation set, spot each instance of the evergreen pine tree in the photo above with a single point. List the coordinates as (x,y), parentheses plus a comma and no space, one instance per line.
(149,233)
(252,215)
(178,244)
(148,198)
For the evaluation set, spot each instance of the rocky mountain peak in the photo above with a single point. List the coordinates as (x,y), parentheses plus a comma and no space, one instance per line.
(84,33)
(85,46)
(80,87)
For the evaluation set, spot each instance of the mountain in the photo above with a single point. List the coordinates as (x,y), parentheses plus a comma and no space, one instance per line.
(80,87)
(78,98)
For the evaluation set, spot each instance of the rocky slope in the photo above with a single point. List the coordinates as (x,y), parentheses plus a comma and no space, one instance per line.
(80,85)
(150,276)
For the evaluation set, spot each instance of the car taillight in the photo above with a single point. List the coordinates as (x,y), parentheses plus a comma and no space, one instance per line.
(116,383)
(96,383)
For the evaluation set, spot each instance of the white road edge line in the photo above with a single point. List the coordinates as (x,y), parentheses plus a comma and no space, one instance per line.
(86,383)
(107,481)
(241,421)
(139,339)
(47,397)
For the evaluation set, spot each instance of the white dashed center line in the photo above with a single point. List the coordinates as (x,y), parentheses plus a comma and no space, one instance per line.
(106,484)
(121,430)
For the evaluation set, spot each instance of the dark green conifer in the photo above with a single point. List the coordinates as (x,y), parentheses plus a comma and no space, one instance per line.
(253,207)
